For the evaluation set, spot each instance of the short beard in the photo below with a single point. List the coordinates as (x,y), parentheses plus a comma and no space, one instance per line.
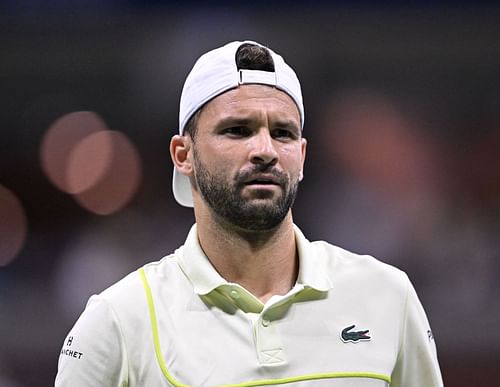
(227,203)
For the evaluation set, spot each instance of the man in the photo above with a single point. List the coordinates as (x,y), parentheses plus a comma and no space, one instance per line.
(248,300)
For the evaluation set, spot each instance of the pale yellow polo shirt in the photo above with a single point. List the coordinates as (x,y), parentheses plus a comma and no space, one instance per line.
(350,320)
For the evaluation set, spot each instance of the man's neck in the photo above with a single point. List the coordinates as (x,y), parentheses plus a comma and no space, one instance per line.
(265,263)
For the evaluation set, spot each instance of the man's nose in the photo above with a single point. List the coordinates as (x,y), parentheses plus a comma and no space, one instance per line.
(263,150)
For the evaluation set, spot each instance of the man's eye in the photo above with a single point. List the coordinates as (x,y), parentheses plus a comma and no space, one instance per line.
(283,133)
(236,131)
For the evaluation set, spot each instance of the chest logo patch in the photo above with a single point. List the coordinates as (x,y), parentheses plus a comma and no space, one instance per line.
(354,336)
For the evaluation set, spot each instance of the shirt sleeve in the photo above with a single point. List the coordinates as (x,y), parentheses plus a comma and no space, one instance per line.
(93,353)
(417,364)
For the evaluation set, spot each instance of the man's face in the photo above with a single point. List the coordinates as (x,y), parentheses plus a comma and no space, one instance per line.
(248,156)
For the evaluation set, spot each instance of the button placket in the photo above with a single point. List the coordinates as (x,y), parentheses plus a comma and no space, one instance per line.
(269,345)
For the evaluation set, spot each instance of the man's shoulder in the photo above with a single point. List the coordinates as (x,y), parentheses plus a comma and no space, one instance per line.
(342,263)
(131,287)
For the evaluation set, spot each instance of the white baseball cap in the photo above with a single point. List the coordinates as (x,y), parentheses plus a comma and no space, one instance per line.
(215,73)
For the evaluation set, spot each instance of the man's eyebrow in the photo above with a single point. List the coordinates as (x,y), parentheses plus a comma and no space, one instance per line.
(246,121)
(287,124)
(233,121)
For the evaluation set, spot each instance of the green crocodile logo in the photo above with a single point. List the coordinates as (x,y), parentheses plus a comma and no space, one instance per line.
(354,336)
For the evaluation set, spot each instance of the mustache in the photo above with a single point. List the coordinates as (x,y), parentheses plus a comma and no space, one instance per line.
(244,175)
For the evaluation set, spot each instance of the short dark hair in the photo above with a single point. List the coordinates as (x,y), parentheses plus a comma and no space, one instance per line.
(252,57)
(249,56)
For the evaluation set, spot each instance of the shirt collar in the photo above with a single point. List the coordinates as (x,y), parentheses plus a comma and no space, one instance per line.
(204,278)
(195,264)
(313,264)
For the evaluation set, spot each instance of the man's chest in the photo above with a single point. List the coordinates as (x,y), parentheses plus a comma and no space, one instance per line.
(312,343)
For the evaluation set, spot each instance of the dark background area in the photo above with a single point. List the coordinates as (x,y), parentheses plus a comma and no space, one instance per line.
(403,123)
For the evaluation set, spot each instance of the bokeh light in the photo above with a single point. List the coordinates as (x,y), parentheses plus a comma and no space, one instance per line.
(13,226)
(61,139)
(88,162)
(120,172)
(100,167)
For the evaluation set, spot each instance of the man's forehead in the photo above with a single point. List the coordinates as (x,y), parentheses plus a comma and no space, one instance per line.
(247,98)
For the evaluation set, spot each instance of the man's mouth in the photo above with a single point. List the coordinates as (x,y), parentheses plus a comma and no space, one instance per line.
(261,180)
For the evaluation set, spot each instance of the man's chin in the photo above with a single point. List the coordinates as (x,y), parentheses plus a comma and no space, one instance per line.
(258,215)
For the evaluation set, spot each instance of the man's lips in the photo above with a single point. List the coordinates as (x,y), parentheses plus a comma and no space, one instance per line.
(262,180)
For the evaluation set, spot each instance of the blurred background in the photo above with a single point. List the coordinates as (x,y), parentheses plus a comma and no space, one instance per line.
(403,123)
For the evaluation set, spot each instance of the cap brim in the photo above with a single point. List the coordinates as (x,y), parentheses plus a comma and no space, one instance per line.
(182,189)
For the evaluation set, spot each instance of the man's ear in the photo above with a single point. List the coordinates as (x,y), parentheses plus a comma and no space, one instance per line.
(303,148)
(180,151)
